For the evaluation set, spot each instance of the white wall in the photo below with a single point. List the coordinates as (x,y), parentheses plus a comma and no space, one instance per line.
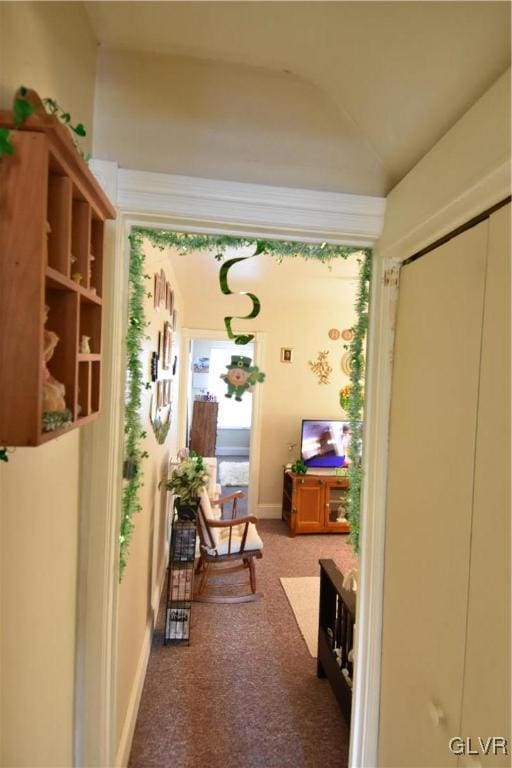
(211,119)
(50,47)
(139,591)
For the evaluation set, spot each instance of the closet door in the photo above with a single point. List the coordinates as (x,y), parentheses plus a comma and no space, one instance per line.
(430,498)
(486,703)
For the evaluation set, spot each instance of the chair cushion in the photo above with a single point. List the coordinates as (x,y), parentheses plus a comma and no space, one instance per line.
(252,542)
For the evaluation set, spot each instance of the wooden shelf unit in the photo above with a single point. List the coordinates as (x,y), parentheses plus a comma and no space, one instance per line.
(52,214)
(315,503)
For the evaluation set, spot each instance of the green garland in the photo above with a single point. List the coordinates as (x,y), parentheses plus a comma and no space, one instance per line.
(356,398)
(219,244)
(187,243)
(132,425)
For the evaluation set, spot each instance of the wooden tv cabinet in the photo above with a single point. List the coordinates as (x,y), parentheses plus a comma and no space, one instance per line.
(315,503)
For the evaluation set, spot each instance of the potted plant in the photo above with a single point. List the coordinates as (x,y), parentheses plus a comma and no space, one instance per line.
(187,479)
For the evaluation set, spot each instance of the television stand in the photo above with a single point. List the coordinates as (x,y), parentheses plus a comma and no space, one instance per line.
(315,502)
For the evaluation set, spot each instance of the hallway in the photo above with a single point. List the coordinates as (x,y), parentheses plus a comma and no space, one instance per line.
(245,692)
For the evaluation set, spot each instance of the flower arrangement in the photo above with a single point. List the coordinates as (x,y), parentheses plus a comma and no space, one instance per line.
(187,479)
(344,396)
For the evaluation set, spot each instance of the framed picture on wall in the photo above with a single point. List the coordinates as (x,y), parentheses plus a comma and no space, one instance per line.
(286,354)
(156,291)
(167,346)
(162,296)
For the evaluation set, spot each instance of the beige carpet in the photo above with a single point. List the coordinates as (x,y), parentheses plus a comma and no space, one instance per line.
(303,594)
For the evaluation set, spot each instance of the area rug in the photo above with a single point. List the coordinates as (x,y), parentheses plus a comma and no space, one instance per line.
(303,594)
(234,473)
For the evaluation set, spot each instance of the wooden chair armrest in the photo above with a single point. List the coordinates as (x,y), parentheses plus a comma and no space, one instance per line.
(223,499)
(231,523)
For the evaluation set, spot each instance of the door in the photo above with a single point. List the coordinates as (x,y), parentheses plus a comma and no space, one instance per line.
(309,494)
(336,505)
(429,502)
(486,701)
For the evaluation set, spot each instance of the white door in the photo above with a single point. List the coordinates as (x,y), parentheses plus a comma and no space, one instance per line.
(430,498)
(487,679)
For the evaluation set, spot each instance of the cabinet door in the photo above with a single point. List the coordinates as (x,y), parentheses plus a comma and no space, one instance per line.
(486,704)
(308,498)
(430,497)
(336,505)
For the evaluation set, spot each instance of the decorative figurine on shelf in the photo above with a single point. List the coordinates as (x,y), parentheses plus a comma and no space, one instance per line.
(85,347)
(77,277)
(55,413)
(241,376)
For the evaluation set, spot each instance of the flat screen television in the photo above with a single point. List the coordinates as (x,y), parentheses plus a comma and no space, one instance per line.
(324,443)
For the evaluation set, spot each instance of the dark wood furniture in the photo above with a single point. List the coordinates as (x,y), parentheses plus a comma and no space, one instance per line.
(203,434)
(315,503)
(227,546)
(337,617)
(52,214)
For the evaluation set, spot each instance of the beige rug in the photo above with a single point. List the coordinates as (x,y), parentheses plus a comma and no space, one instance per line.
(303,594)
(234,473)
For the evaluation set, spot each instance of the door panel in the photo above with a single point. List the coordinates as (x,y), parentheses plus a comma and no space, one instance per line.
(430,481)
(486,704)
(310,513)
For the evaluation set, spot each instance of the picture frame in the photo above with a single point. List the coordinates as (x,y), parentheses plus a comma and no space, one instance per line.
(286,354)
(167,346)
(162,296)
(156,291)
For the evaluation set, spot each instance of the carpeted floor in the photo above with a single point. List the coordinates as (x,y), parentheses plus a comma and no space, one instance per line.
(245,691)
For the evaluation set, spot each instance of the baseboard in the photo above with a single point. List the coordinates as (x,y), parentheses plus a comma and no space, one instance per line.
(125,742)
(231,451)
(269,511)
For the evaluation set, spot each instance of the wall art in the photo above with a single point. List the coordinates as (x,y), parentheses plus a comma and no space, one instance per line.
(286,354)
(334,334)
(166,346)
(321,367)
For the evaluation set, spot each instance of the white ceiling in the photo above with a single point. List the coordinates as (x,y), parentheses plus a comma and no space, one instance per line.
(401,72)
(294,281)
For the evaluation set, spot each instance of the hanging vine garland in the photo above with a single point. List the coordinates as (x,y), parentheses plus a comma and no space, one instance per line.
(218,245)
(355,404)
(256,306)
(133,431)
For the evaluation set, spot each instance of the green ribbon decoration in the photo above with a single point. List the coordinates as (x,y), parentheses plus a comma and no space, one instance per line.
(256,305)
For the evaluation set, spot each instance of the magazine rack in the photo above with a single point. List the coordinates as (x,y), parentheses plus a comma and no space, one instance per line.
(180,581)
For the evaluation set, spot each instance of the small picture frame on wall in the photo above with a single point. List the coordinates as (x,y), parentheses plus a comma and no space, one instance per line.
(167,346)
(162,294)
(156,291)
(286,354)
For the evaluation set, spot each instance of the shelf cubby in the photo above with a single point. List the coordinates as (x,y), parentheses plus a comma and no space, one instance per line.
(96,255)
(80,239)
(90,324)
(59,223)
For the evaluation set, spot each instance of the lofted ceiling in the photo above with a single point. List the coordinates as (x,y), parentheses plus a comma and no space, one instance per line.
(401,73)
